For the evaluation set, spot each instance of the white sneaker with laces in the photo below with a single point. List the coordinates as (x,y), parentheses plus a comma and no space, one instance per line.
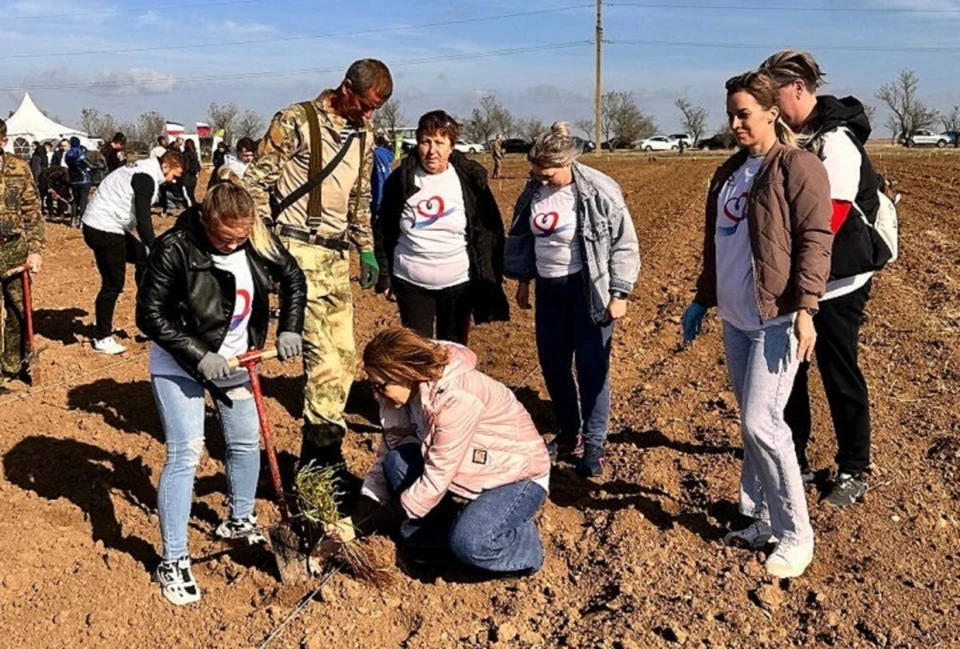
(789,561)
(108,346)
(755,536)
(241,529)
(176,581)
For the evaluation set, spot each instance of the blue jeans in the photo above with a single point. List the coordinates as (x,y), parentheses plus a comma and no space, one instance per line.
(762,366)
(181,408)
(495,532)
(568,336)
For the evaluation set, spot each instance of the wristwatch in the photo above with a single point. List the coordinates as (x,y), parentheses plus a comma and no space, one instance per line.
(811,310)
(620,295)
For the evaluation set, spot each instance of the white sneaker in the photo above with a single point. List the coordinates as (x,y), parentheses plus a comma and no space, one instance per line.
(789,561)
(108,346)
(754,537)
(245,529)
(176,581)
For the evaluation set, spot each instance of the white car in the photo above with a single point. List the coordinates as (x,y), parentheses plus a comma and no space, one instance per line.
(929,138)
(658,143)
(468,147)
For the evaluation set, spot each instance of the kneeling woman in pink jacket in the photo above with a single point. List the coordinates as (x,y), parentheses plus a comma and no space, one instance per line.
(453,435)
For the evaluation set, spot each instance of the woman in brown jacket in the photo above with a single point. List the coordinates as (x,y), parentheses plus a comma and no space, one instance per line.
(766,258)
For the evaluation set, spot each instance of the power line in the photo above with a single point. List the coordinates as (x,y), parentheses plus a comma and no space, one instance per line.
(112,12)
(242,76)
(787,8)
(287,39)
(936,49)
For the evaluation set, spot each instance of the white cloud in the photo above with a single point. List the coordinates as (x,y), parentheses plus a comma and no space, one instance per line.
(234,28)
(138,81)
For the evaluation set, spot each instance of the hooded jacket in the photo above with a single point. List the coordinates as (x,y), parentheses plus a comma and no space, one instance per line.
(77,163)
(485,237)
(476,437)
(856,248)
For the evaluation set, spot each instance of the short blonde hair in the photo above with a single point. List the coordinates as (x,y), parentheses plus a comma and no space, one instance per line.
(554,148)
(786,66)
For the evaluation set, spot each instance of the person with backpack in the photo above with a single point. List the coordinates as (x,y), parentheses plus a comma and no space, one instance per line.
(573,234)
(439,237)
(766,258)
(204,299)
(836,130)
(81,177)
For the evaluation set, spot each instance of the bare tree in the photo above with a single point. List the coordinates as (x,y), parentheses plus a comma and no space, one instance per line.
(251,124)
(871,112)
(694,118)
(490,117)
(585,126)
(223,117)
(389,117)
(151,125)
(900,96)
(951,120)
(623,118)
(531,128)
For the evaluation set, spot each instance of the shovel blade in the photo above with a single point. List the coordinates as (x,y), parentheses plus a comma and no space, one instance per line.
(291,560)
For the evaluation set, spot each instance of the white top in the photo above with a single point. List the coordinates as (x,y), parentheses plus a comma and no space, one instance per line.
(236,341)
(158,151)
(112,207)
(842,159)
(553,221)
(432,249)
(736,288)
(235,165)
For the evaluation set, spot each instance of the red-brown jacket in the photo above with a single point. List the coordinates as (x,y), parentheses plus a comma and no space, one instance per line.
(476,437)
(788,215)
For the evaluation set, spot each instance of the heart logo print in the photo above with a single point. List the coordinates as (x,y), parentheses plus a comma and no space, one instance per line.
(431,208)
(546,223)
(734,208)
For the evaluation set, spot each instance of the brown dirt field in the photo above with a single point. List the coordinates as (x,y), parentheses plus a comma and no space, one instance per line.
(634,558)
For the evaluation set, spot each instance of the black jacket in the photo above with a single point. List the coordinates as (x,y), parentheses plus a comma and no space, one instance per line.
(485,236)
(856,247)
(185,304)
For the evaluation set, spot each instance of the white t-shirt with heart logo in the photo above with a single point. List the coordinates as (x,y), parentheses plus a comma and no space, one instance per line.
(553,222)
(736,289)
(432,249)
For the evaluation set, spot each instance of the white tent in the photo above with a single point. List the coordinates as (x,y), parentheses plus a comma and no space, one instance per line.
(28,125)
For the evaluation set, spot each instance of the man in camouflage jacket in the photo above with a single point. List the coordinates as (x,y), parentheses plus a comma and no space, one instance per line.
(21,242)
(319,228)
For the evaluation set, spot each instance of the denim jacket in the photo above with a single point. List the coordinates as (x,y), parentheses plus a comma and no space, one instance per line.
(611,254)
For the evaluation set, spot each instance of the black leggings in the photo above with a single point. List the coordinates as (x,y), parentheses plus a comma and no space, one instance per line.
(81,194)
(112,252)
(449,308)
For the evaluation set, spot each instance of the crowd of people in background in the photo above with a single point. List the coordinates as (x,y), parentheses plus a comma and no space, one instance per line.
(787,260)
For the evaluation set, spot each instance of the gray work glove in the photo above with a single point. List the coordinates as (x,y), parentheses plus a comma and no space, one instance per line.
(213,366)
(289,345)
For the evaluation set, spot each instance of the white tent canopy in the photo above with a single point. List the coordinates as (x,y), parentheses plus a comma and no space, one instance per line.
(28,125)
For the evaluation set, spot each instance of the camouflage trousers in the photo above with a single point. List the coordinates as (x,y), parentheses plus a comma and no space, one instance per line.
(329,351)
(12,346)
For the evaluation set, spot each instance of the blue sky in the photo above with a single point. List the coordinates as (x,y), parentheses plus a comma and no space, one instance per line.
(130,56)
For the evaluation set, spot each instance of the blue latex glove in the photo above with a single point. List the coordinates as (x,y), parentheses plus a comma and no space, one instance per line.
(693,321)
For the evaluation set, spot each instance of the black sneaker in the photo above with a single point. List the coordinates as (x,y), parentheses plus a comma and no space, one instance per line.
(564,448)
(848,490)
(176,581)
(234,529)
(591,464)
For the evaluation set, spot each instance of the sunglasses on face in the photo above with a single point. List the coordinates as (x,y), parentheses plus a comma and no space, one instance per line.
(380,387)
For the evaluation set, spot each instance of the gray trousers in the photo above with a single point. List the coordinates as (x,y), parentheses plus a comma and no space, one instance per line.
(762,366)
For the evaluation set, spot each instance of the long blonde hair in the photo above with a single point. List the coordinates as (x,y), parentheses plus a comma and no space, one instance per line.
(402,356)
(764,88)
(232,205)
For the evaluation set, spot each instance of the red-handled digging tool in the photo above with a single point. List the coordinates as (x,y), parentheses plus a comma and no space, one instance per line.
(288,546)
(31,365)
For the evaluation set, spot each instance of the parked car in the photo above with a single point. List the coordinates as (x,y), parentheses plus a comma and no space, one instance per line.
(515,145)
(616,143)
(925,137)
(468,147)
(658,143)
(716,143)
(686,138)
(585,146)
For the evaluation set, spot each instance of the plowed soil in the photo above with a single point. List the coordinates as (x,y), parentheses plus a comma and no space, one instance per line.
(634,557)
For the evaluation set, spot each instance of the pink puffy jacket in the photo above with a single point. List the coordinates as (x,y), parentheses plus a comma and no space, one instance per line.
(476,437)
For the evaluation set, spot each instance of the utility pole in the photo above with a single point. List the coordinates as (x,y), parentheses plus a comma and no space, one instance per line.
(598,96)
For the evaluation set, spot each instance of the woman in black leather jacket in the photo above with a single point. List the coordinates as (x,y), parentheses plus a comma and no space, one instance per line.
(204,299)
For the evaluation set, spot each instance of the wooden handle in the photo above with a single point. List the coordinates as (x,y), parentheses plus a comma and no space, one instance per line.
(254,357)
(19,270)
